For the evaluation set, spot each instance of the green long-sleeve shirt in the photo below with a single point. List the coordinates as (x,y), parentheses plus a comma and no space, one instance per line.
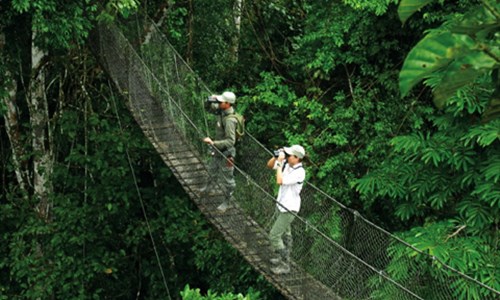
(225,133)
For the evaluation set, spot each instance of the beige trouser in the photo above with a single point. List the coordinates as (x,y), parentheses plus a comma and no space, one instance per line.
(281,229)
(221,171)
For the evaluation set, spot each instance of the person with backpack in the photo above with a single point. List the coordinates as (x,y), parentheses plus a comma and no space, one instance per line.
(227,131)
(290,176)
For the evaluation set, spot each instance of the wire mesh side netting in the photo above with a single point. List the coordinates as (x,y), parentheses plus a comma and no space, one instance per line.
(334,244)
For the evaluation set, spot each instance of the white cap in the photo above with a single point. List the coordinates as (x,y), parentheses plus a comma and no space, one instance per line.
(296,150)
(229,97)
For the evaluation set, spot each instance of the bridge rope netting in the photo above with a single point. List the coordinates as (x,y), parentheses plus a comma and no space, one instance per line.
(336,252)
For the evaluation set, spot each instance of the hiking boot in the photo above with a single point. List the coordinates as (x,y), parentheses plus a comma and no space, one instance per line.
(281,269)
(275,258)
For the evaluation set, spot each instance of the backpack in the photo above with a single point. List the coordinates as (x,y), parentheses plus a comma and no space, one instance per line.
(240,127)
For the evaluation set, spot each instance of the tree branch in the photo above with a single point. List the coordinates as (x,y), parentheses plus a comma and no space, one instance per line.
(456,232)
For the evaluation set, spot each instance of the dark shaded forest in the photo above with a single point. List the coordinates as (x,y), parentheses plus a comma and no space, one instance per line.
(88,210)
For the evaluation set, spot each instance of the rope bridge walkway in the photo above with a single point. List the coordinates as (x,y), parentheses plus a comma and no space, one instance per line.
(336,253)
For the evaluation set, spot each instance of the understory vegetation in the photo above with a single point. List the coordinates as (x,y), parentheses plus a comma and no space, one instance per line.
(88,210)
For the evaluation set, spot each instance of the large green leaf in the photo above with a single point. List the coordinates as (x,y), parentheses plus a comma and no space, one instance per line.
(478,22)
(454,57)
(461,72)
(433,52)
(407,8)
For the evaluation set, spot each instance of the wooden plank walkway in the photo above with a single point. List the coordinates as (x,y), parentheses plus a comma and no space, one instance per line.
(246,235)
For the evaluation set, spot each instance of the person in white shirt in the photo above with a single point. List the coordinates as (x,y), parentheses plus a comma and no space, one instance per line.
(290,176)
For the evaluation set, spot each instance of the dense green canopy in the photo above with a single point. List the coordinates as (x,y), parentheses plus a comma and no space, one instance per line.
(396,101)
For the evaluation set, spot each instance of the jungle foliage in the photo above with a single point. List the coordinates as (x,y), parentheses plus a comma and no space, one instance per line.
(455,54)
(343,78)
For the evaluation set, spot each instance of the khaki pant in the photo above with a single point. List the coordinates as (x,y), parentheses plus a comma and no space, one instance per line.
(281,228)
(221,171)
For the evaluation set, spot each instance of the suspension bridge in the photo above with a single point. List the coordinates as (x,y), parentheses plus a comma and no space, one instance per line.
(336,254)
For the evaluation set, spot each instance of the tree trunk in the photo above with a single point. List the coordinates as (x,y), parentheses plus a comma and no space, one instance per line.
(31,151)
(237,8)
(158,21)
(189,52)
(13,132)
(40,134)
